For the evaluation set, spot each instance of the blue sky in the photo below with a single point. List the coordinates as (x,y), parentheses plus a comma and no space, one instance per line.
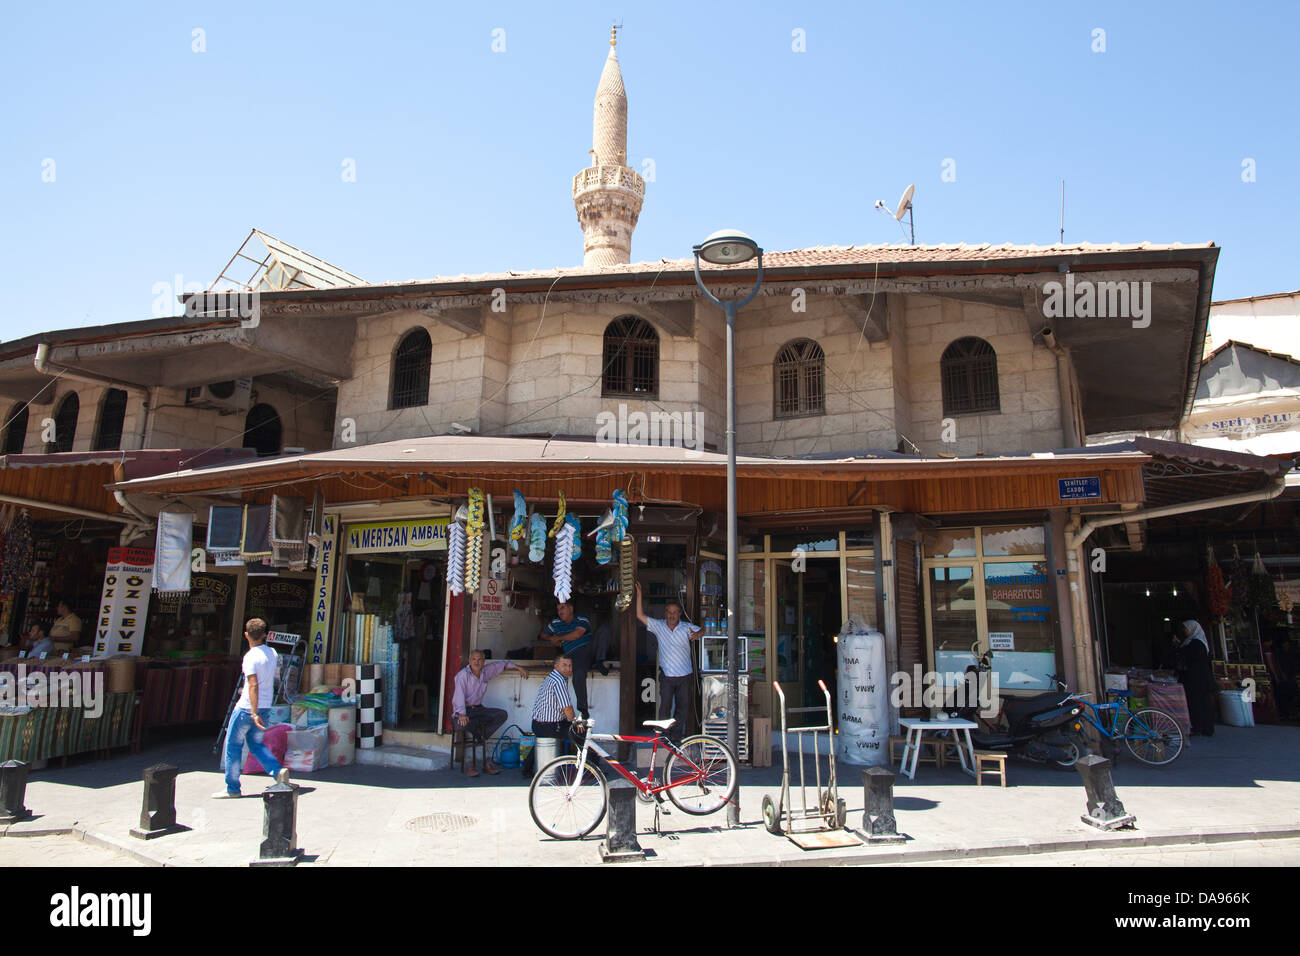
(164,158)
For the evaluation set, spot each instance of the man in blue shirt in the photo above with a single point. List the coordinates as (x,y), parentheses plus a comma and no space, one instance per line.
(572,634)
(677,688)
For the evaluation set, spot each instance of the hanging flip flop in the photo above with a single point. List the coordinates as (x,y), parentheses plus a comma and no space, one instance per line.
(517,522)
(456,551)
(626,573)
(572,522)
(559,518)
(474,540)
(536,538)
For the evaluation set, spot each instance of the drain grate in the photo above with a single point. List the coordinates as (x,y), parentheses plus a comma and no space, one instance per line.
(442,822)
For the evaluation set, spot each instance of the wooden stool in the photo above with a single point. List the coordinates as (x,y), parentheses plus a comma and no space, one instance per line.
(417,701)
(998,762)
(458,735)
(896,745)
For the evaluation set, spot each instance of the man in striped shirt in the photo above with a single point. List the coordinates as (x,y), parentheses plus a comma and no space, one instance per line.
(677,688)
(553,707)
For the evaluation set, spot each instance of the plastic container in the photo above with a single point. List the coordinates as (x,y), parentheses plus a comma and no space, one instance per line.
(546,749)
(1235,710)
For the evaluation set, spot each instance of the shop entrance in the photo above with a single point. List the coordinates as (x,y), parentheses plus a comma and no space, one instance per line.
(808,620)
(394,617)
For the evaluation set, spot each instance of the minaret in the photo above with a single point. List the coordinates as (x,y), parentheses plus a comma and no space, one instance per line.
(609,193)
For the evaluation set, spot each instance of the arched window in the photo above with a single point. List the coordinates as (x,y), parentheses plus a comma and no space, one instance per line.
(65,424)
(969,369)
(800,377)
(16,433)
(411,370)
(262,430)
(112,412)
(631,359)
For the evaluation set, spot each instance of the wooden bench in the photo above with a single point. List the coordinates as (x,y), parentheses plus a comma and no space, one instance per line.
(997,762)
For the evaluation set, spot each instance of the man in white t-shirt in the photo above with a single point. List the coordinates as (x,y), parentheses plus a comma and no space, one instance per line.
(252,710)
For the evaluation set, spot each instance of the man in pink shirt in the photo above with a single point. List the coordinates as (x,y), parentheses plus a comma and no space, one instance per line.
(467,708)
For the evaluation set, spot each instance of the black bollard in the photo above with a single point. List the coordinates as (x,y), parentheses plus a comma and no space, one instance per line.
(13,789)
(620,844)
(1105,812)
(158,814)
(280,827)
(878,821)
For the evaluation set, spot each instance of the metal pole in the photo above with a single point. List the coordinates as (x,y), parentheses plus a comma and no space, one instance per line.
(733,565)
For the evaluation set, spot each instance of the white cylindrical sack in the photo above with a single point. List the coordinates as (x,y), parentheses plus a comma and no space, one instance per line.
(862,700)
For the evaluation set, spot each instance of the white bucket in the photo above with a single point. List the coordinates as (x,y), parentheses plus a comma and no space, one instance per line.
(545,750)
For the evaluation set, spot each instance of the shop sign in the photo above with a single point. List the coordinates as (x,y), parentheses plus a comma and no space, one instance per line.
(1002,640)
(415,534)
(1079,488)
(324,593)
(277,595)
(490,607)
(124,603)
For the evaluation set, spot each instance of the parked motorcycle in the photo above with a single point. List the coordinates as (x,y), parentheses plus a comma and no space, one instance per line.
(1039,728)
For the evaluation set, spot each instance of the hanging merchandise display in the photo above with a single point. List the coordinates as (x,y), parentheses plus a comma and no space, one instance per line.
(288,528)
(559,517)
(1216,590)
(456,551)
(474,541)
(1262,593)
(626,573)
(604,550)
(1239,583)
(225,526)
(171,565)
(518,522)
(563,572)
(17,575)
(536,538)
(620,516)
(255,542)
(572,522)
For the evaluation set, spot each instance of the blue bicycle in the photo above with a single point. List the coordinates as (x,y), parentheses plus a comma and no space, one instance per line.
(1150,735)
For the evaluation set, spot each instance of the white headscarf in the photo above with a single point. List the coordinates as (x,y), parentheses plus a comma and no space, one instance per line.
(1196,633)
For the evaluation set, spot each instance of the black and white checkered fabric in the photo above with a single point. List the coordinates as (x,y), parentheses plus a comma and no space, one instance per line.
(370,706)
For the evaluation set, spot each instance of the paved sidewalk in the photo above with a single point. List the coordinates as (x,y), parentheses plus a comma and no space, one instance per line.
(1242,784)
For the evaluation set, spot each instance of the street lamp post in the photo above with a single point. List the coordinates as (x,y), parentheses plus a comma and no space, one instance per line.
(731,247)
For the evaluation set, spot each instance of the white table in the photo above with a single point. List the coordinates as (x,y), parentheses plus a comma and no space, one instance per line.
(916,728)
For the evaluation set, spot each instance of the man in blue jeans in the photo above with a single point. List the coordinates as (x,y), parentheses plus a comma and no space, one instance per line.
(248,723)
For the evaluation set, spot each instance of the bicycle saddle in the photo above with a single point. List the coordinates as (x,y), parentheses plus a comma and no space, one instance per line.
(659,724)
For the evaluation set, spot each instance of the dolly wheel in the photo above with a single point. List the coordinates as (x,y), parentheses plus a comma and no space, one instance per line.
(771,816)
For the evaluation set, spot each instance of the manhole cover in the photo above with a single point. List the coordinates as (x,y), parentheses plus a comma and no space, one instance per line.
(442,823)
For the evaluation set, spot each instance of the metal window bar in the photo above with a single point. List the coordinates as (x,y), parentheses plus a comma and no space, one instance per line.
(969,370)
(630,359)
(411,370)
(800,379)
(112,413)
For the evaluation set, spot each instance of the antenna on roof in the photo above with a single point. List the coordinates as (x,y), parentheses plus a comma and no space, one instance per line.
(1062,212)
(904,206)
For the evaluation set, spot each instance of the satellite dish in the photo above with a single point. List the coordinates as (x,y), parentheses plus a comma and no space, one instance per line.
(905,203)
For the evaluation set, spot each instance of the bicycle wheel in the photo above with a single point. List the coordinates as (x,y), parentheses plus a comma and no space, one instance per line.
(1153,737)
(706,780)
(563,810)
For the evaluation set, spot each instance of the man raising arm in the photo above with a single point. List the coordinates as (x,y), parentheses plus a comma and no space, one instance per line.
(674,637)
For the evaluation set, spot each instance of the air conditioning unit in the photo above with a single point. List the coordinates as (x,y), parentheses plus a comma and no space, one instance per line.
(225,397)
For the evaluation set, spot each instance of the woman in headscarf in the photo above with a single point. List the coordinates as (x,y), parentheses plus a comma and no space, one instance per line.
(1197,677)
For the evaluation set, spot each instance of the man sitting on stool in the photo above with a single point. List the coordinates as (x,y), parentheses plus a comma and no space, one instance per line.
(553,709)
(467,710)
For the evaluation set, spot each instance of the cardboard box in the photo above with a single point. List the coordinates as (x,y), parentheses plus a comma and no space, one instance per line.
(760,750)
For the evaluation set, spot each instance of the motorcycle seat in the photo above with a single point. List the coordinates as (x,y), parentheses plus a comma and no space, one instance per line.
(1022,707)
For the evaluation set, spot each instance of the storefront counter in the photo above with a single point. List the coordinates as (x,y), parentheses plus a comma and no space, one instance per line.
(514,692)
(45,732)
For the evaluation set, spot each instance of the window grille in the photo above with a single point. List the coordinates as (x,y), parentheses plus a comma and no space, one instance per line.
(800,377)
(112,413)
(631,359)
(411,370)
(969,370)
(65,424)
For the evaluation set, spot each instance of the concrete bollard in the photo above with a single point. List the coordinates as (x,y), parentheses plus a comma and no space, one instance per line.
(620,844)
(1105,812)
(878,821)
(158,814)
(279,827)
(13,790)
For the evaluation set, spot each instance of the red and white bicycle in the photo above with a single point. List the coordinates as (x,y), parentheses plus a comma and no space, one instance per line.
(569,796)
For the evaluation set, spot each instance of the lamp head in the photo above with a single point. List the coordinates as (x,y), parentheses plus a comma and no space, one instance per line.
(727,247)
